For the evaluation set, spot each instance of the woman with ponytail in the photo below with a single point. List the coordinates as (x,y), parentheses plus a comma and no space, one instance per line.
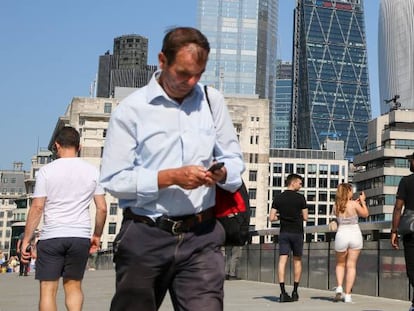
(348,239)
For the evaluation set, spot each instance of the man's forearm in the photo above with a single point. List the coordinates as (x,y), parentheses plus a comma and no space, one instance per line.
(33,219)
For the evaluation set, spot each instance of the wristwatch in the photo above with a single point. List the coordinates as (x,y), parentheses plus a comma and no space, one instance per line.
(394,230)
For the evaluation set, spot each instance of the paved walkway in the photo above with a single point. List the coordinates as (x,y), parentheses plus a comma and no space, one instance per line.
(21,294)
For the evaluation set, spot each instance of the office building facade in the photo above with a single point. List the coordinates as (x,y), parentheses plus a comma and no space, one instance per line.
(381,166)
(280,123)
(127,67)
(395,53)
(330,76)
(242,36)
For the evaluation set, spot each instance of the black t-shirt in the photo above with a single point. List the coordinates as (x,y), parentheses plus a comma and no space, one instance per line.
(404,192)
(290,205)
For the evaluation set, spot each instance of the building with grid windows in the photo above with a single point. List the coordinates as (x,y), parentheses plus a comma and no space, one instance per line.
(12,205)
(382,165)
(242,36)
(330,76)
(395,53)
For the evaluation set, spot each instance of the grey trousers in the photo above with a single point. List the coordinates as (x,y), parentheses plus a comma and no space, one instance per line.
(149,262)
(233,254)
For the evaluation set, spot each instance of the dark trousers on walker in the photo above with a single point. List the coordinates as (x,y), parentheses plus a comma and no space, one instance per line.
(149,261)
(408,241)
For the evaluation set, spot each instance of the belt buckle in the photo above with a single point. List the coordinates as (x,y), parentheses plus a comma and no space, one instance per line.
(176,227)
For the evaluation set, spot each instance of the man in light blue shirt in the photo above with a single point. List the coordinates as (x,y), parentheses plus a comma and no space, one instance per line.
(159,145)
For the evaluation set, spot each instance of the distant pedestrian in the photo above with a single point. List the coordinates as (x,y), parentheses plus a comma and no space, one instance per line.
(24,266)
(292,210)
(405,198)
(233,254)
(64,189)
(348,238)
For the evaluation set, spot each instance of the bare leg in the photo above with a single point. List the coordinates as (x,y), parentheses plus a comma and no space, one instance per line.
(48,290)
(281,267)
(73,294)
(340,267)
(297,267)
(351,262)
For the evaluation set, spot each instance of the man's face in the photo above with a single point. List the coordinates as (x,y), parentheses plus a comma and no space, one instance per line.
(178,78)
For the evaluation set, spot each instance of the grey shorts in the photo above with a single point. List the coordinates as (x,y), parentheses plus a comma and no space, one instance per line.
(291,242)
(62,257)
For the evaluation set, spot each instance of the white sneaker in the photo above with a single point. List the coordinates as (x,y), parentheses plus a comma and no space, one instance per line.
(348,298)
(338,294)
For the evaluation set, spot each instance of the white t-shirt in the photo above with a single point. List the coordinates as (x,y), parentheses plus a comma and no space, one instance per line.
(69,185)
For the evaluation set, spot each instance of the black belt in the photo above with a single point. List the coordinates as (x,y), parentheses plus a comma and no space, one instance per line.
(173,225)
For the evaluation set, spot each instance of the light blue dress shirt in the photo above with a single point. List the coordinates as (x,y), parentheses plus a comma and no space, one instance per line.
(149,132)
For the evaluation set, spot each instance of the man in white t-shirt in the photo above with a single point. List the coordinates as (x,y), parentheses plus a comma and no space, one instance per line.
(64,189)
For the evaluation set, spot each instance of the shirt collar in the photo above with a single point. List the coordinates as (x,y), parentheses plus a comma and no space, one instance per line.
(156,91)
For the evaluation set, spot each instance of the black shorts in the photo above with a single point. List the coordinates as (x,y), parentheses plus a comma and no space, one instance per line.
(291,242)
(62,257)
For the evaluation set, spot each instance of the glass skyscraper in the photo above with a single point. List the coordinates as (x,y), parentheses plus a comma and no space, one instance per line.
(281,117)
(395,52)
(242,36)
(330,78)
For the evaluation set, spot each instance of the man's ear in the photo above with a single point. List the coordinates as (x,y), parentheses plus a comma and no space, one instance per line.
(162,60)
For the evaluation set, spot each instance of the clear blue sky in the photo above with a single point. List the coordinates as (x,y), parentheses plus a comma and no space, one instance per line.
(50,51)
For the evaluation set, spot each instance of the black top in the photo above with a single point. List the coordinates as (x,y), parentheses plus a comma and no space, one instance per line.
(290,205)
(405,191)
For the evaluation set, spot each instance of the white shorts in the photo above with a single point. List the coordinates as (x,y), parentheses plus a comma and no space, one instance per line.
(348,237)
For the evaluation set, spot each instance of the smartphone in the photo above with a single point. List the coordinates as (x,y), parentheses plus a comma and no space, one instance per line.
(216,166)
(28,248)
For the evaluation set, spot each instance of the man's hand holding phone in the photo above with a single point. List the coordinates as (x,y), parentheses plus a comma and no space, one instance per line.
(216,166)
(216,172)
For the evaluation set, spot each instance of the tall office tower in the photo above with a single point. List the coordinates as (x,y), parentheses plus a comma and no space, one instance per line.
(281,117)
(127,67)
(242,36)
(395,53)
(330,76)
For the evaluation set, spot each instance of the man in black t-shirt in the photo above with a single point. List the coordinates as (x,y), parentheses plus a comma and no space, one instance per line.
(292,210)
(405,198)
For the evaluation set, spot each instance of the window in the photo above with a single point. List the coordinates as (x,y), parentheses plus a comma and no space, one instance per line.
(104,133)
(252,194)
(323,169)
(323,196)
(311,182)
(277,168)
(334,183)
(300,168)
(252,211)
(113,209)
(277,181)
(311,196)
(108,108)
(323,182)
(252,175)
(288,168)
(112,228)
(311,168)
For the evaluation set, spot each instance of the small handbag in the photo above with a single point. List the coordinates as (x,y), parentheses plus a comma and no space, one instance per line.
(406,222)
(333,225)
